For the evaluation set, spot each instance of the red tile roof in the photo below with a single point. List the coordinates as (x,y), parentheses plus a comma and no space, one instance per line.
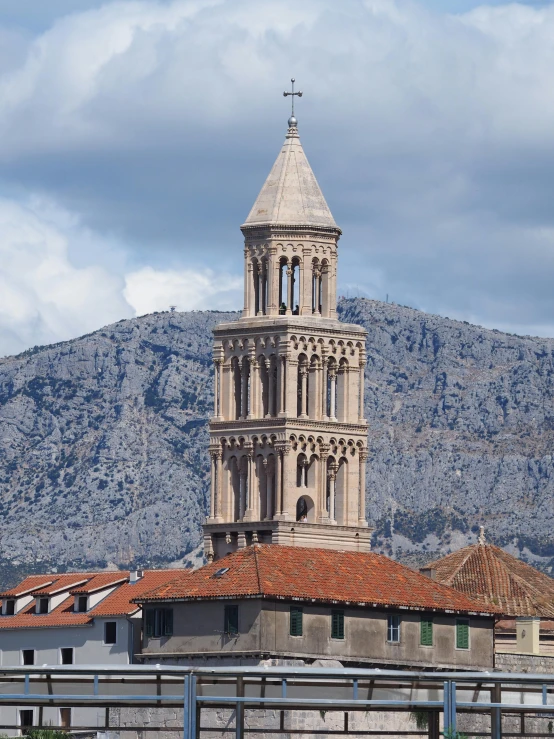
(28,585)
(100,581)
(120,602)
(492,576)
(324,575)
(63,582)
(117,603)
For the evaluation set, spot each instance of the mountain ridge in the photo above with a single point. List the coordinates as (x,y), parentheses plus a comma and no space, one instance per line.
(103,453)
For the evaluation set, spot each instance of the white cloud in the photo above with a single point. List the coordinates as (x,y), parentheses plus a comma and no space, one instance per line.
(148,290)
(432,135)
(44,298)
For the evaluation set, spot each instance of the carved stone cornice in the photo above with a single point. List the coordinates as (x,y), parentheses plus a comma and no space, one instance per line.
(300,424)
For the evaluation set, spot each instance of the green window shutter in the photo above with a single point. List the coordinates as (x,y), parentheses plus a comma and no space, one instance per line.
(337,624)
(231,620)
(462,634)
(295,621)
(150,619)
(168,622)
(426,632)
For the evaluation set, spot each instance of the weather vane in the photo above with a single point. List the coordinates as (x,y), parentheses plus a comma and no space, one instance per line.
(292,119)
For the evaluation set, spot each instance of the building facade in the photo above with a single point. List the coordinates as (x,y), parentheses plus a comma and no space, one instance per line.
(523,595)
(81,618)
(288,438)
(267,604)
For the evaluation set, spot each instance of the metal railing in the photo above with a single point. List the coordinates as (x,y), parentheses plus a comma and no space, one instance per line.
(438,694)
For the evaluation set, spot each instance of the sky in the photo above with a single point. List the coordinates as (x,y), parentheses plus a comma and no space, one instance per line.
(135,136)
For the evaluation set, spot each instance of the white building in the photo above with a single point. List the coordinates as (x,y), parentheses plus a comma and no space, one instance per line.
(76,618)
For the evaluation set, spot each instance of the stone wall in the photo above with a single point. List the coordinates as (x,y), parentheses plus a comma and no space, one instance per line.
(164,723)
(542,664)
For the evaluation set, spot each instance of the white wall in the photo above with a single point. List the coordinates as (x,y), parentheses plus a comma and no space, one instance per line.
(89,648)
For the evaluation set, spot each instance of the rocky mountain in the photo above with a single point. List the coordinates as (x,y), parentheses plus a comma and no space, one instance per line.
(103,457)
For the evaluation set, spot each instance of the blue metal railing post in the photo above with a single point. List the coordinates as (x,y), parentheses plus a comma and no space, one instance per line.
(453,707)
(192,707)
(186,707)
(446,710)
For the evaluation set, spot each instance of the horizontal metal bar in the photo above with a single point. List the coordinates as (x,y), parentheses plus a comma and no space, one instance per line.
(77,698)
(317,701)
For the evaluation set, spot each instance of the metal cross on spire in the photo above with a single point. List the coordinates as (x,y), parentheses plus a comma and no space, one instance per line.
(292,119)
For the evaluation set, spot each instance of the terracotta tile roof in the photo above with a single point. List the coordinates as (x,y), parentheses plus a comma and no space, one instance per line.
(494,577)
(28,585)
(117,603)
(324,575)
(120,602)
(63,615)
(99,581)
(64,582)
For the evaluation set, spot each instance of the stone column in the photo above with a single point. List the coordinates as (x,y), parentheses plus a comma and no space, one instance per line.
(213,460)
(271,387)
(247,276)
(281,385)
(361,375)
(218,389)
(255,384)
(333,409)
(278,482)
(361,489)
(323,455)
(304,392)
(290,290)
(242,490)
(324,382)
(316,277)
(244,388)
(251,482)
(291,381)
(332,485)
(269,479)
(272,282)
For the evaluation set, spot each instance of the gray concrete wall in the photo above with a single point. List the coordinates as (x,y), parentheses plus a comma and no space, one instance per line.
(264,628)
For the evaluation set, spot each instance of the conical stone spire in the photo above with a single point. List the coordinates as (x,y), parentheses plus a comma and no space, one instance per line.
(291,195)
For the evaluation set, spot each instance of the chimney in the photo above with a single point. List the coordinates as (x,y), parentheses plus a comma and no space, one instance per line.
(135,576)
(429,572)
(528,635)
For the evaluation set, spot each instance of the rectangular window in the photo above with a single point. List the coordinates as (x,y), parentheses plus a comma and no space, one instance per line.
(462,633)
(296,621)
(110,632)
(65,718)
(393,629)
(66,655)
(42,605)
(426,632)
(159,622)
(82,604)
(231,620)
(337,624)
(25,719)
(28,657)
(10,607)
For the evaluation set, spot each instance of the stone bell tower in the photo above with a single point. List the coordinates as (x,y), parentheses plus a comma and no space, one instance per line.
(288,439)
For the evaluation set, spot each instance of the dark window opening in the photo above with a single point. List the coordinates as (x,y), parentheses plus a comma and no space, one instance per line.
(337,624)
(296,621)
(110,632)
(43,605)
(26,719)
(10,607)
(231,620)
(67,655)
(82,604)
(159,622)
(28,656)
